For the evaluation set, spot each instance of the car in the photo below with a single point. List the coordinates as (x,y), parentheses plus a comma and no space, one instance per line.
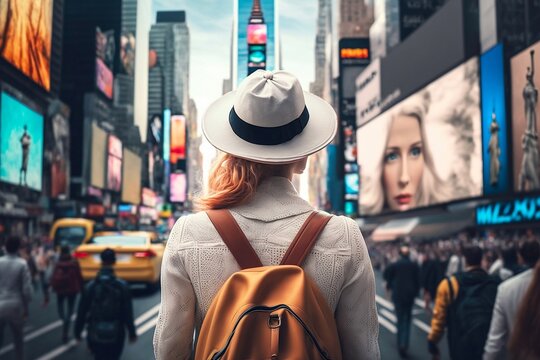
(71,231)
(138,256)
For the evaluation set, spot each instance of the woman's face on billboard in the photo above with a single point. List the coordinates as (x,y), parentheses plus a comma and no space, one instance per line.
(403,163)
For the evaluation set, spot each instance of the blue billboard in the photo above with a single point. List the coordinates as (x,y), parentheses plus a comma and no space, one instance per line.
(496,168)
(21,143)
(255,38)
(520,210)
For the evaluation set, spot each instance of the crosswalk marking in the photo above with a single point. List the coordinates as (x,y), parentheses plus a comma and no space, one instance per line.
(389,318)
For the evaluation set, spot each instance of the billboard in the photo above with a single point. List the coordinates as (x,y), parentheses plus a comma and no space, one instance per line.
(127,53)
(21,143)
(114,164)
(97,162)
(368,93)
(178,188)
(518,210)
(131,177)
(254,38)
(58,148)
(354,56)
(105,49)
(25,37)
(401,166)
(494,133)
(525,72)
(178,138)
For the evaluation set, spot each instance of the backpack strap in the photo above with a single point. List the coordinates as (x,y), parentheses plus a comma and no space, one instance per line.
(234,238)
(305,239)
(450,288)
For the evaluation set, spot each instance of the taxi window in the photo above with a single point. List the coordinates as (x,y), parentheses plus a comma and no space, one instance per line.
(72,236)
(121,240)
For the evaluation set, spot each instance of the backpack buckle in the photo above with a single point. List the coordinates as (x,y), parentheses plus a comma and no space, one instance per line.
(274,321)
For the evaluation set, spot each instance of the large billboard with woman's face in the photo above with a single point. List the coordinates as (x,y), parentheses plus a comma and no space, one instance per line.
(494,134)
(525,72)
(25,37)
(425,150)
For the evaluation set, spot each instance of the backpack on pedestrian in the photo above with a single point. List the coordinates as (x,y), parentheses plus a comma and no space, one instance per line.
(64,279)
(469,315)
(268,312)
(104,322)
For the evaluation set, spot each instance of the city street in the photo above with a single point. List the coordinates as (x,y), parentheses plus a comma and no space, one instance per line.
(43,331)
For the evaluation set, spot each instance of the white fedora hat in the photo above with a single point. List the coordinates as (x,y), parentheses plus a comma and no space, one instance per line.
(269,119)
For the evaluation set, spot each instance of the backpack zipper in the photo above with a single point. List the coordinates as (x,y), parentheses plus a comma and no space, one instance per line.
(261,308)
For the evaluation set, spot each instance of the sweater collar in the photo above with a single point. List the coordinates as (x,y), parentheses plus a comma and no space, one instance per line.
(275,198)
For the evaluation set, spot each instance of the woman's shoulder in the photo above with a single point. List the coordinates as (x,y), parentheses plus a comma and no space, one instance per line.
(190,228)
(341,230)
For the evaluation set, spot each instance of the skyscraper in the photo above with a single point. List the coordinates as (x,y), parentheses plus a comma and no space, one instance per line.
(255,38)
(355,18)
(168,84)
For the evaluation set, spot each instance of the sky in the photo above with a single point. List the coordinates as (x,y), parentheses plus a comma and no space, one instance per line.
(210,25)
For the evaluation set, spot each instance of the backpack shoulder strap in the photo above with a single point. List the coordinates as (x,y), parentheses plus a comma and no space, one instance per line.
(451,288)
(305,239)
(234,238)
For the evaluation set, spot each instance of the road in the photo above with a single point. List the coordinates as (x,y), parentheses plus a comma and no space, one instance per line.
(43,331)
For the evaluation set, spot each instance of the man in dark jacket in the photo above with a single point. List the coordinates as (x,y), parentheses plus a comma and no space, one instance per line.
(107,309)
(402,279)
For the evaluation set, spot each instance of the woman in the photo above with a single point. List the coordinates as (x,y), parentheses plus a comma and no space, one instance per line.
(405,177)
(523,343)
(266,129)
(67,282)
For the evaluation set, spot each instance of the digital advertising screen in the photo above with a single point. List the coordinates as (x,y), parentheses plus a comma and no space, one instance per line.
(351,186)
(249,46)
(114,164)
(131,179)
(494,133)
(256,34)
(525,74)
(104,78)
(58,145)
(21,143)
(127,52)
(178,138)
(99,150)
(105,50)
(25,37)
(426,149)
(178,188)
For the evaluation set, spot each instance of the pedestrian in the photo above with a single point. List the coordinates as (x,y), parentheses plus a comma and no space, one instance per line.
(403,281)
(44,264)
(509,297)
(67,283)
(456,261)
(510,265)
(464,304)
(266,129)
(523,342)
(15,294)
(107,312)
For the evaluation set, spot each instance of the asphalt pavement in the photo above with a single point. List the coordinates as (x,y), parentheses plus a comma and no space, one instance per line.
(43,331)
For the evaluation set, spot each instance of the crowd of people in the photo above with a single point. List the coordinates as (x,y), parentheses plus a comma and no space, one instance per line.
(104,309)
(482,290)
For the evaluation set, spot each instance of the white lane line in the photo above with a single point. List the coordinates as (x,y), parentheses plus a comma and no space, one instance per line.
(387,324)
(141,330)
(422,325)
(35,334)
(418,311)
(149,325)
(388,315)
(147,315)
(387,304)
(419,303)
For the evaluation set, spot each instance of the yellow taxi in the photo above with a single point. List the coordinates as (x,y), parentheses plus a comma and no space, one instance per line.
(138,256)
(71,231)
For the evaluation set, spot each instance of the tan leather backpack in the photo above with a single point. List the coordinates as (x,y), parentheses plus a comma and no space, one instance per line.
(268,312)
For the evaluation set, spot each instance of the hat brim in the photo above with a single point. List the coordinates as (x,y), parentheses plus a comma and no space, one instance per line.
(319,132)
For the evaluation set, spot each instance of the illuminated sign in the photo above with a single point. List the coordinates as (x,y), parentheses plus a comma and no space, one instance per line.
(256,34)
(354,53)
(509,212)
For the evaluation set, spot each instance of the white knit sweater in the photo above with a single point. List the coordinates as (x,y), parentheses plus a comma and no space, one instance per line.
(197,263)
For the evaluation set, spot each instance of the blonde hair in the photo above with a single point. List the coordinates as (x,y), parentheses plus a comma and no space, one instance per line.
(432,189)
(233,181)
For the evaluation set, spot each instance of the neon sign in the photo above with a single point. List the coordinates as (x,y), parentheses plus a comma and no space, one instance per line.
(509,212)
(354,53)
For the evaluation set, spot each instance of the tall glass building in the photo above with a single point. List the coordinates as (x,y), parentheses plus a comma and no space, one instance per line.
(261,18)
